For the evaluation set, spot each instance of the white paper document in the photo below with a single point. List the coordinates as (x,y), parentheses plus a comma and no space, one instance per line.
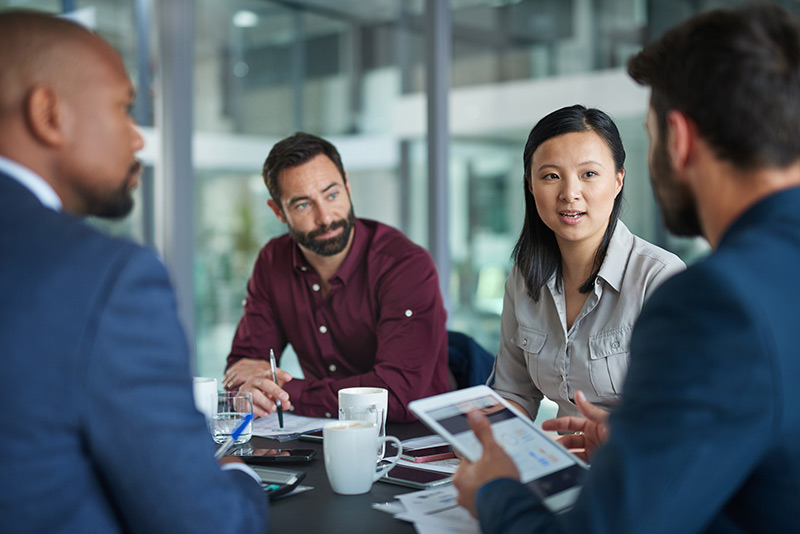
(448,465)
(433,511)
(293,425)
(424,442)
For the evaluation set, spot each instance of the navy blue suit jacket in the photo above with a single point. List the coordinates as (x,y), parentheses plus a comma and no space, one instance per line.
(100,432)
(707,437)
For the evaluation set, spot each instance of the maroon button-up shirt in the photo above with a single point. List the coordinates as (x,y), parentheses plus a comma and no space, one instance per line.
(382,323)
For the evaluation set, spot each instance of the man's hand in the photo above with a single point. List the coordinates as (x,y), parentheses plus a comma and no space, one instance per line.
(265,391)
(255,376)
(493,464)
(591,432)
(244,369)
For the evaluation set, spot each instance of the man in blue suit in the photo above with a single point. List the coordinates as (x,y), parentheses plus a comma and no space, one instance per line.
(707,437)
(100,432)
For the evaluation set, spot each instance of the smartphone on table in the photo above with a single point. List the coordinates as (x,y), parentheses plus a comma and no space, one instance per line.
(415,478)
(278,482)
(272,456)
(315,436)
(429,454)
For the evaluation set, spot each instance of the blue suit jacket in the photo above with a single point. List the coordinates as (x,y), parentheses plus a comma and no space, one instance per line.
(100,432)
(707,437)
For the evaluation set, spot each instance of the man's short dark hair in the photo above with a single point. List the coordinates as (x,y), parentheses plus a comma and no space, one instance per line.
(736,74)
(293,151)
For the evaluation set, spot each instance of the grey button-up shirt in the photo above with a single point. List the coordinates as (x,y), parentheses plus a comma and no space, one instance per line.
(538,356)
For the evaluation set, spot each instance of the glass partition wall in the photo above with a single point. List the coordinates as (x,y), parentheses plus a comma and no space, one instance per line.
(354,71)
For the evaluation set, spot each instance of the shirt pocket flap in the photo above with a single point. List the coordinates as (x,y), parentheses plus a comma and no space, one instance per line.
(610,342)
(528,339)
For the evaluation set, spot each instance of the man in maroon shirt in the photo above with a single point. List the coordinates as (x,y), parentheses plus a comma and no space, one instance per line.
(358,301)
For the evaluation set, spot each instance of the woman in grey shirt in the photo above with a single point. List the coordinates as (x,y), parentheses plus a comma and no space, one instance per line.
(580,277)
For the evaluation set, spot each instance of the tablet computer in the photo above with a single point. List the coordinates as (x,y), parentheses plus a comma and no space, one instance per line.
(545,466)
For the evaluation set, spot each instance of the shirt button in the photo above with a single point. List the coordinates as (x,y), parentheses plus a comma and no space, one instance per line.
(327,414)
(524,342)
(409,313)
(303,268)
(323,329)
(315,287)
(332,367)
(615,345)
(244,302)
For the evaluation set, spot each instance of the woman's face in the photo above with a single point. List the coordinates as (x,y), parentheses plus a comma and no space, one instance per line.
(574,183)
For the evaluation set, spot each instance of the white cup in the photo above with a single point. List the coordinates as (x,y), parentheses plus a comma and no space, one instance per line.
(205,396)
(355,404)
(349,448)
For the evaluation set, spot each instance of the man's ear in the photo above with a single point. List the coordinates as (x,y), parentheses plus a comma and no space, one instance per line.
(276,209)
(681,134)
(44,115)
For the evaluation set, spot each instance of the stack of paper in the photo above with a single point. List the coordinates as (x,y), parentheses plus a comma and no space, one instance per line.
(432,511)
(293,426)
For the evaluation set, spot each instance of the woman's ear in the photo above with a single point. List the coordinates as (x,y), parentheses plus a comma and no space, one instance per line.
(620,181)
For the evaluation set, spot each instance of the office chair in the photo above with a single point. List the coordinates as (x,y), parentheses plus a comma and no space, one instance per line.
(469,363)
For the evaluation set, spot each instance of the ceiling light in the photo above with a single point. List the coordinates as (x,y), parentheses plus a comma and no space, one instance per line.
(245,19)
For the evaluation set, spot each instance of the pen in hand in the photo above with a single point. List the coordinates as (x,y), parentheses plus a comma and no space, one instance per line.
(275,379)
(226,445)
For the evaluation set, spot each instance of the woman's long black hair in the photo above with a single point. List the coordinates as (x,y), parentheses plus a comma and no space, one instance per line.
(536,253)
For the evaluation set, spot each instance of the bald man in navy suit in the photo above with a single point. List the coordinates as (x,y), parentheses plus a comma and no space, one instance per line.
(100,432)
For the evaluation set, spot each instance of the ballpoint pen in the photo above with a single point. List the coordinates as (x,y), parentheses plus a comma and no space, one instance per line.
(226,445)
(275,379)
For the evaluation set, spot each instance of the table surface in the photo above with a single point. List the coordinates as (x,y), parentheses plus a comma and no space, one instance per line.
(322,510)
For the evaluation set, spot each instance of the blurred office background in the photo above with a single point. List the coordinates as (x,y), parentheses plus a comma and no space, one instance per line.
(429,101)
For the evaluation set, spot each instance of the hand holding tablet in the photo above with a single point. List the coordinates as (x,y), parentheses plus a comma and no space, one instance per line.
(546,467)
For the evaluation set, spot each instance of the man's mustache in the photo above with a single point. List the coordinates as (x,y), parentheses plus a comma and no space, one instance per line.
(325,229)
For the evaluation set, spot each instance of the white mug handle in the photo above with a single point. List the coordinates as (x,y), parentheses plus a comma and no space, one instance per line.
(393,461)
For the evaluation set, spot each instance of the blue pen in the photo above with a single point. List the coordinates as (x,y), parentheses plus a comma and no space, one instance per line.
(233,437)
(275,379)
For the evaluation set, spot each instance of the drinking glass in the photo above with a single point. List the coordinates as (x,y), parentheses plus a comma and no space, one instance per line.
(231,407)
(371,414)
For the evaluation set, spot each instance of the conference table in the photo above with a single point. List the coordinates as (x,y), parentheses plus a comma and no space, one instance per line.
(322,510)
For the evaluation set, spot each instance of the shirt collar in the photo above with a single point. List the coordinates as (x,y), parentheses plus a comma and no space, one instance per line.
(32,182)
(356,255)
(613,268)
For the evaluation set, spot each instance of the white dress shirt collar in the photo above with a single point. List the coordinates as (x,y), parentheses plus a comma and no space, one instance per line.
(33,182)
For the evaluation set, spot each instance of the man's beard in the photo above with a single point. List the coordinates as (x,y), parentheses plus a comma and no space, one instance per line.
(678,206)
(114,204)
(326,247)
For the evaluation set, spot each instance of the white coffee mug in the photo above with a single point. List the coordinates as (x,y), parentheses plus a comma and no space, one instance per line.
(349,450)
(365,397)
(205,395)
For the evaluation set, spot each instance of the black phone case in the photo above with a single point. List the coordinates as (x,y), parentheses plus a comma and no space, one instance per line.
(269,460)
